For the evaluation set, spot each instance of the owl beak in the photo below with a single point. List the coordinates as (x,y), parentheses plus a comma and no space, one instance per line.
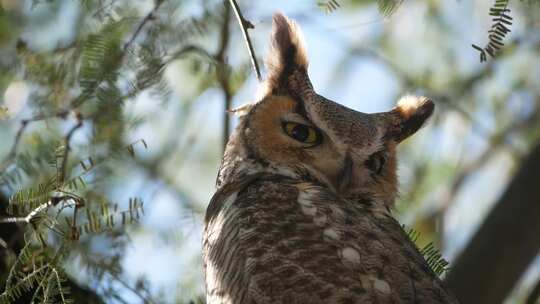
(345,175)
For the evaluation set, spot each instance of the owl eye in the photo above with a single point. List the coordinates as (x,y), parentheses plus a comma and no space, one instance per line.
(302,133)
(376,161)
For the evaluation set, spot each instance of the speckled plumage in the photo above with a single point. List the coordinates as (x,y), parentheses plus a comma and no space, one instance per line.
(298,223)
(285,241)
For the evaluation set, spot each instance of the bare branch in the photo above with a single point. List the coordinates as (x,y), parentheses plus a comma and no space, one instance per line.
(150,16)
(30,217)
(12,220)
(535,294)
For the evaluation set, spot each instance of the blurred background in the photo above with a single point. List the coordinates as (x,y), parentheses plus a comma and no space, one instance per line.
(136,93)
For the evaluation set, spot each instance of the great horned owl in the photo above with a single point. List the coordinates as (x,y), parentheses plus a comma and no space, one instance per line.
(305,188)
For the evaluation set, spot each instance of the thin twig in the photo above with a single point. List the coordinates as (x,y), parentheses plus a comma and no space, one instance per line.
(150,16)
(245,25)
(12,220)
(34,214)
(67,139)
(29,218)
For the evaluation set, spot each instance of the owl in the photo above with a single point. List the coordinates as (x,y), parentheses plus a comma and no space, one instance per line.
(302,211)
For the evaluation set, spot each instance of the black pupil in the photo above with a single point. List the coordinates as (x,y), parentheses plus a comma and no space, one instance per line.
(300,132)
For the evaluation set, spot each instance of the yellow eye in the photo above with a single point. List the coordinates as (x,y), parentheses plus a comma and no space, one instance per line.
(302,133)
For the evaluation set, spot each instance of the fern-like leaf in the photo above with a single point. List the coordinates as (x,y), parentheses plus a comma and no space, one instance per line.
(434,259)
(431,254)
(25,200)
(499,29)
(107,219)
(412,234)
(25,284)
(101,58)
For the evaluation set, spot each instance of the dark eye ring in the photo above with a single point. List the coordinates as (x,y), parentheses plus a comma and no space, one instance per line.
(302,133)
(376,162)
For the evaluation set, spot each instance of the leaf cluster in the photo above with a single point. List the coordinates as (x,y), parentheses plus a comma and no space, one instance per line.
(500,27)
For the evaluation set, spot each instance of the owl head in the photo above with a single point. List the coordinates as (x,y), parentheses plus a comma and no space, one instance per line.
(294,132)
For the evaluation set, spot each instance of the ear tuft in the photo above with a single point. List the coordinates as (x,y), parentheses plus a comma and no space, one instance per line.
(412,112)
(409,105)
(287,51)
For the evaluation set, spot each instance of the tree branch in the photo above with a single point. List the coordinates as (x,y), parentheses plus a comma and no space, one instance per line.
(245,25)
(506,243)
(535,294)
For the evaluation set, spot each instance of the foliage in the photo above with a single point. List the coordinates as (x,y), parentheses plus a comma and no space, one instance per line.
(57,194)
(52,231)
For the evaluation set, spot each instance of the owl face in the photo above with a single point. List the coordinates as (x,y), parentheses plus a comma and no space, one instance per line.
(294,131)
